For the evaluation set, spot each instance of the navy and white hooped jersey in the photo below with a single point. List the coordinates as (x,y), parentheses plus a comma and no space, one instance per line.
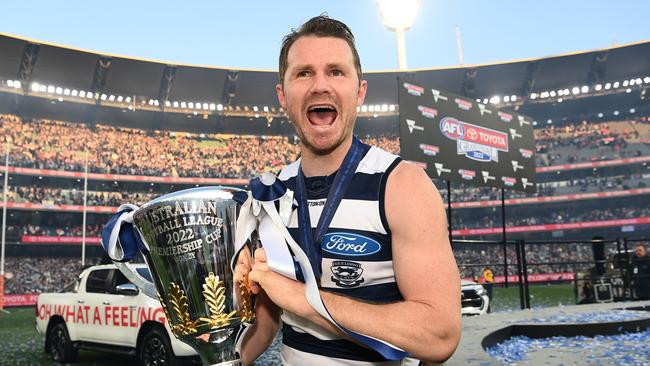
(356,258)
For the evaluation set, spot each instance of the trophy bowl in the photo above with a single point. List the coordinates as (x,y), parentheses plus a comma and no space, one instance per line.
(187,239)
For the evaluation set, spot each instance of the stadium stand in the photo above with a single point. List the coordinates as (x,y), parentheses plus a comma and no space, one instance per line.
(143,142)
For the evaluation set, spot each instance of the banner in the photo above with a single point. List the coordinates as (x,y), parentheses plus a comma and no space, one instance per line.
(458,139)
(40,239)
(128,178)
(20,300)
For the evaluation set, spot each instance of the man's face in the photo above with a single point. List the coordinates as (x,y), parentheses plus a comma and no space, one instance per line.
(640,251)
(321,92)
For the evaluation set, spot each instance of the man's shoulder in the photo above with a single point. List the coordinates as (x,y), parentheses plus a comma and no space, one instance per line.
(377,160)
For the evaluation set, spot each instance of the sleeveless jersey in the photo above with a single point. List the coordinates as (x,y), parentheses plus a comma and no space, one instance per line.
(356,258)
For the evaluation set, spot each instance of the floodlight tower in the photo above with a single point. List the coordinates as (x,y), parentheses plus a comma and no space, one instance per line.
(399,16)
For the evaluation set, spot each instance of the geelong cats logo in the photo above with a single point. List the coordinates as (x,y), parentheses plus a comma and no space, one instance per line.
(347,274)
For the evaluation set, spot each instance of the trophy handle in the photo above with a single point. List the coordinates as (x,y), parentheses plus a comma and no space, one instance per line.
(146,286)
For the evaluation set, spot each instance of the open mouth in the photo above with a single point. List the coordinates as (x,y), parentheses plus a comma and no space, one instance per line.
(322,114)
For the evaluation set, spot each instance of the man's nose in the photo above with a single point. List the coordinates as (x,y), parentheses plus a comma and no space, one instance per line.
(321,84)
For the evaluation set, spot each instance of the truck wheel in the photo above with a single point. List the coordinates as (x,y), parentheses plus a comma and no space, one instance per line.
(155,350)
(60,346)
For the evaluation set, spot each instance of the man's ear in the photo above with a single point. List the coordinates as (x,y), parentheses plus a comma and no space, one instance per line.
(281,98)
(361,95)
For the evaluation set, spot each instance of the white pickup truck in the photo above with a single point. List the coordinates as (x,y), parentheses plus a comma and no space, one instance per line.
(103,311)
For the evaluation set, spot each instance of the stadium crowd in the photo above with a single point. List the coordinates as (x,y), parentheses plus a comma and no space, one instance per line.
(49,195)
(26,275)
(30,275)
(69,146)
(548,216)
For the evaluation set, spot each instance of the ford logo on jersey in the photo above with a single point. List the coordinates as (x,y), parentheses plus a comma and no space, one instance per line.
(349,244)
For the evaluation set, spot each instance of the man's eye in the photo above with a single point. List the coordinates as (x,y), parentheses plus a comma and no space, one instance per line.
(303,74)
(336,73)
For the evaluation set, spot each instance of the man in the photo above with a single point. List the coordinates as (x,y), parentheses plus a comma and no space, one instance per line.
(387,267)
(488,283)
(641,272)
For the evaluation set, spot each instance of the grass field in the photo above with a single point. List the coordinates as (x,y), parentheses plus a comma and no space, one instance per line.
(21,345)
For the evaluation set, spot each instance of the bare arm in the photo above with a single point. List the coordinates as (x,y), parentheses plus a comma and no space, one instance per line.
(427,322)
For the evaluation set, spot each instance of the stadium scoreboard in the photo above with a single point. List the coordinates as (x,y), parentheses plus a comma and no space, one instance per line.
(458,139)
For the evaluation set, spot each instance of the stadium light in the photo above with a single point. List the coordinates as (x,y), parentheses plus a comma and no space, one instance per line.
(220,107)
(533,96)
(495,99)
(598,87)
(628,90)
(600,115)
(120,98)
(575,90)
(183,105)
(616,84)
(59,90)
(585,89)
(553,94)
(513,98)
(626,83)
(213,106)
(175,104)
(384,107)
(371,108)
(66,91)
(616,113)
(632,110)
(128,99)
(111,98)
(391,107)
(506,98)
(607,86)
(646,79)
(364,108)
(399,16)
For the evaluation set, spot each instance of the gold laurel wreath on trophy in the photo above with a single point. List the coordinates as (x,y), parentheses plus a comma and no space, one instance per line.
(185,325)
(214,293)
(247,311)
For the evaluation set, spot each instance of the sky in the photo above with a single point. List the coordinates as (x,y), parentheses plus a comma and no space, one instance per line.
(247,34)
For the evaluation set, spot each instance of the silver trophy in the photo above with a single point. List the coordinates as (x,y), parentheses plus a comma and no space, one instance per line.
(190,237)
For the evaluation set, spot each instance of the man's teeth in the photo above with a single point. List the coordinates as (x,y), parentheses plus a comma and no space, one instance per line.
(325,107)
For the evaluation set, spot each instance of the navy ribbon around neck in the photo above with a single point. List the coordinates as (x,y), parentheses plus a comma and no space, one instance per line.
(311,241)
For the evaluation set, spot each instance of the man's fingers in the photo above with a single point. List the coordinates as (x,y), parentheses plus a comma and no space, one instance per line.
(244,257)
(260,255)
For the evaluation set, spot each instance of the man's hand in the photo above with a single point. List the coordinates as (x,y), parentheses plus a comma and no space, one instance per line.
(285,292)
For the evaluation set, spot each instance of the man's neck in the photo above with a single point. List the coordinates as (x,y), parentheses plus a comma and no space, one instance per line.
(315,165)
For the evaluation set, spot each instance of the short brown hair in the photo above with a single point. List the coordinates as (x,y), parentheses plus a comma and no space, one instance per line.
(320,26)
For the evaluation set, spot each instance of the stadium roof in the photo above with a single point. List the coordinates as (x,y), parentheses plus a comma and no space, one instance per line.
(30,61)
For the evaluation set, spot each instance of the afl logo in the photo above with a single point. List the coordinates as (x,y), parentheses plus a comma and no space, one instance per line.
(452,128)
(349,244)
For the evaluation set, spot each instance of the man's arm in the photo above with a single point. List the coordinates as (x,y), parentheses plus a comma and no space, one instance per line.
(267,316)
(427,322)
